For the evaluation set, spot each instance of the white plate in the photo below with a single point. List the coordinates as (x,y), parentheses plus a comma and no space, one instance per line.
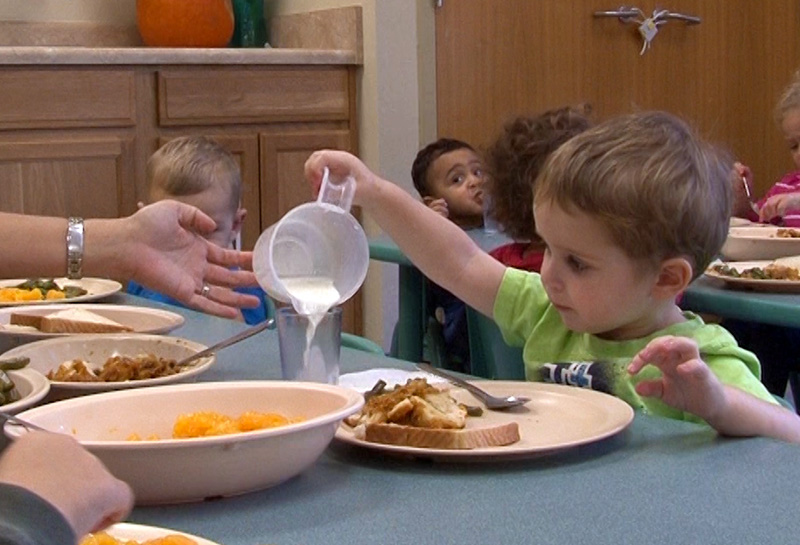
(774,286)
(558,417)
(97,288)
(141,533)
(365,380)
(48,354)
(757,243)
(179,470)
(32,387)
(141,319)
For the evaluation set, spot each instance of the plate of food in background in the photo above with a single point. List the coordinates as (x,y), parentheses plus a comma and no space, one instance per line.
(48,291)
(28,324)
(781,275)
(760,243)
(81,364)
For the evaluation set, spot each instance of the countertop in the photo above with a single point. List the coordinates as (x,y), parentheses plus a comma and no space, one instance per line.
(69,55)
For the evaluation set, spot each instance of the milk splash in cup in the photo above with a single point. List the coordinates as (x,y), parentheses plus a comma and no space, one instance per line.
(316,256)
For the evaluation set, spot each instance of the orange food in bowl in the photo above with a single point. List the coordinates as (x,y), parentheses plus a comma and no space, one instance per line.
(182,23)
(103,538)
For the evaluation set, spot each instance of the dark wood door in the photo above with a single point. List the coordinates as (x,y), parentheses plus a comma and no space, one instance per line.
(496,59)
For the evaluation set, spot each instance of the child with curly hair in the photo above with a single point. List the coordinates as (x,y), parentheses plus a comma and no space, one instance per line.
(513,162)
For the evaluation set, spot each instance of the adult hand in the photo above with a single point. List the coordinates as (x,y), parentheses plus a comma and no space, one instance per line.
(57,469)
(686,382)
(437,205)
(163,248)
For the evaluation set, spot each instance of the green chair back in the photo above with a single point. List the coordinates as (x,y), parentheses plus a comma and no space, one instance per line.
(489,354)
(361,343)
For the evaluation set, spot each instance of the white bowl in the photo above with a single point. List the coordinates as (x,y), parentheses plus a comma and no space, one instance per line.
(32,387)
(48,354)
(179,470)
(758,243)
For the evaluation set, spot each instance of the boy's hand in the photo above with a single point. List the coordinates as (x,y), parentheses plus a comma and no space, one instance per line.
(340,164)
(437,205)
(686,382)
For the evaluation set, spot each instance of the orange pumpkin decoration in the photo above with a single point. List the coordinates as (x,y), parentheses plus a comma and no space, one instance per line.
(185,23)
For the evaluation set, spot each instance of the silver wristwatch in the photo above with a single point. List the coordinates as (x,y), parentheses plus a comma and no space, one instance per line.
(74,248)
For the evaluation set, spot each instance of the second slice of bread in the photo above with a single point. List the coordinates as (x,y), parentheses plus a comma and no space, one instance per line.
(79,320)
(467,438)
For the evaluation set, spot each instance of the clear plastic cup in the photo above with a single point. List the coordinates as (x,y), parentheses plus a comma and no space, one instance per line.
(317,255)
(310,352)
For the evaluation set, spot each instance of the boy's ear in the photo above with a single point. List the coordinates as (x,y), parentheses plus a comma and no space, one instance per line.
(238,219)
(674,276)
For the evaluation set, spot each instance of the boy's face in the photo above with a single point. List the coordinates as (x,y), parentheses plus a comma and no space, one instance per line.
(457,177)
(791,131)
(215,203)
(592,283)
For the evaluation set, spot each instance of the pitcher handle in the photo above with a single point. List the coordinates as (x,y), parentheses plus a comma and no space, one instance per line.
(338,194)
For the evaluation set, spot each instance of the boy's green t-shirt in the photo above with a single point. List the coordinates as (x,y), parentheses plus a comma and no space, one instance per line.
(553,353)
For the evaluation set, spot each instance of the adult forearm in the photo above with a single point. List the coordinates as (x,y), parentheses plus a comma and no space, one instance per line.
(36,246)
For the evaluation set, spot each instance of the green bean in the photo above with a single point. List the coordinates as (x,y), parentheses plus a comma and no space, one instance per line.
(13,364)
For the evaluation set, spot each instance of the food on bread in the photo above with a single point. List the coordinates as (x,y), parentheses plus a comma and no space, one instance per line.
(773,271)
(73,320)
(420,415)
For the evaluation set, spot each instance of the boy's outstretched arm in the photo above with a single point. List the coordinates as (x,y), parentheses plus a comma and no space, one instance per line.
(688,384)
(438,247)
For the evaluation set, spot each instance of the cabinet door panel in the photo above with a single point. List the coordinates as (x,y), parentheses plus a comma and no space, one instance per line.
(90,178)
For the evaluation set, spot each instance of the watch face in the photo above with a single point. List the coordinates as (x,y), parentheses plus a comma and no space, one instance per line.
(74,248)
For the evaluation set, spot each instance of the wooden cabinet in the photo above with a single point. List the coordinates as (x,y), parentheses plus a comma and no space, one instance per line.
(75,140)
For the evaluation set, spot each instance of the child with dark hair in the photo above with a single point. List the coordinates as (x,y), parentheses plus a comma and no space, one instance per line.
(449,176)
(514,162)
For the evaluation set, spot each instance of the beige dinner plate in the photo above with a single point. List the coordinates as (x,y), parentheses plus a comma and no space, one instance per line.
(558,417)
(141,319)
(774,286)
(140,533)
(96,288)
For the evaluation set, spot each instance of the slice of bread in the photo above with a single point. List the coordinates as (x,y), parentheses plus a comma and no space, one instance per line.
(30,320)
(467,438)
(78,320)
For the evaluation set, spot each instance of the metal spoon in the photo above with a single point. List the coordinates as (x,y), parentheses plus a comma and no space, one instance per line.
(21,422)
(492,402)
(227,342)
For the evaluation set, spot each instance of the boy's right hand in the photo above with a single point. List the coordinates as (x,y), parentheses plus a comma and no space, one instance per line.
(340,164)
(437,205)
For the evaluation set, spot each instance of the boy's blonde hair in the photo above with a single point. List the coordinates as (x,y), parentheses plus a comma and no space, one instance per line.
(651,181)
(790,98)
(189,165)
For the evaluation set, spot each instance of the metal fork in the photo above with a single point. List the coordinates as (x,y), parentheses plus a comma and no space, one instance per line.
(492,402)
(749,195)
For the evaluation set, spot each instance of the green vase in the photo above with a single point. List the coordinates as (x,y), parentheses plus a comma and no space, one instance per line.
(250,27)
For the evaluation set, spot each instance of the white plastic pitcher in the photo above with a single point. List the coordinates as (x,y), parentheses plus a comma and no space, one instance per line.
(315,246)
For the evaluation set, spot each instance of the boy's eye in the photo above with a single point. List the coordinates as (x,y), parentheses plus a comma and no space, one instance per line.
(457,179)
(478,173)
(576,264)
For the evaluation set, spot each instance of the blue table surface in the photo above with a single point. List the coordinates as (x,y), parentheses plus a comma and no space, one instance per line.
(660,481)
